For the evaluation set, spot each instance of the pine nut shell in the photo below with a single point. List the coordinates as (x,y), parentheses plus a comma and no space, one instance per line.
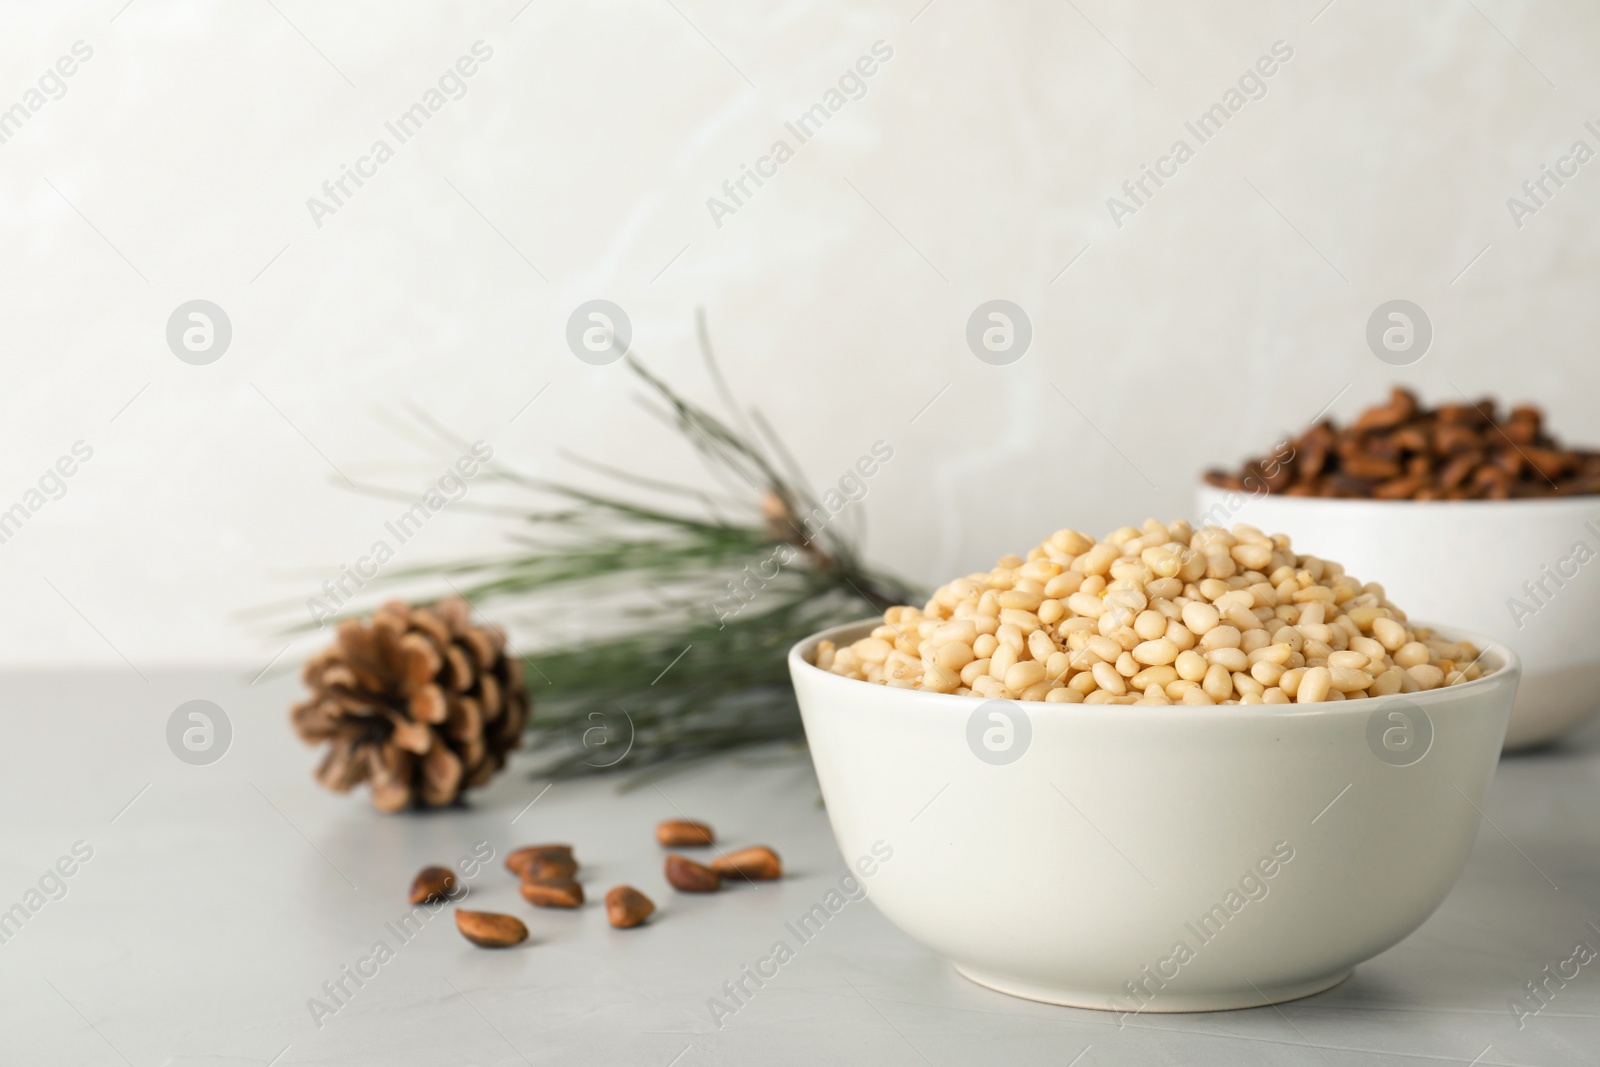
(757,863)
(432,885)
(542,861)
(488,929)
(552,893)
(683,833)
(627,907)
(691,877)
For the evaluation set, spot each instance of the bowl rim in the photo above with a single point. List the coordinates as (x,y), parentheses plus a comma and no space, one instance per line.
(1510,669)
(1533,502)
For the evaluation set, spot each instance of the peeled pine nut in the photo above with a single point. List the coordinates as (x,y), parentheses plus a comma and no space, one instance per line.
(1247,686)
(1253,556)
(1153,614)
(1155,653)
(1097,560)
(1106,676)
(1158,676)
(1162,561)
(989,686)
(940,679)
(1014,598)
(1218,683)
(1232,659)
(1011,634)
(1411,654)
(1348,679)
(1426,675)
(1180,635)
(961,630)
(1191,665)
(1389,633)
(1058,665)
(1150,625)
(1373,650)
(1314,686)
(1277,652)
(1063,585)
(1104,648)
(1267,672)
(1086,604)
(1025,621)
(1021,676)
(1387,682)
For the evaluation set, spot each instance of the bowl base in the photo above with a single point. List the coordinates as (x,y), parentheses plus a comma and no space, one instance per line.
(1165,1001)
(1551,703)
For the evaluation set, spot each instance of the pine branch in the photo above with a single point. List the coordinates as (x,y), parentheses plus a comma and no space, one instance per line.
(692,614)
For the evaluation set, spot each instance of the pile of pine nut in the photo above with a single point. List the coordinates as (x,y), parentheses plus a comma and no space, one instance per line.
(1165,614)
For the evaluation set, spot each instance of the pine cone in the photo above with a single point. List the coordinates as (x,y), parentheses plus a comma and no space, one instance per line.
(418,702)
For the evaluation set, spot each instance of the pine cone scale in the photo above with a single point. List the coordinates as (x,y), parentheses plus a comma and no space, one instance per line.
(441,775)
(421,661)
(460,669)
(428,705)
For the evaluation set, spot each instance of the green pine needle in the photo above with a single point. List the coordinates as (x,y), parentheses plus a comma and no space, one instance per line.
(668,677)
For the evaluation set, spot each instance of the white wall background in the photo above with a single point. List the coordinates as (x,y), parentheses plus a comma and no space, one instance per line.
(178,164)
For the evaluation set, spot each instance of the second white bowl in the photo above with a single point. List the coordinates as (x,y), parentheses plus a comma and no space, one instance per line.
(1507,569)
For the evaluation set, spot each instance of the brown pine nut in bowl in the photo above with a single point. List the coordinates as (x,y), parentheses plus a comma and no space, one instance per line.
(1464,512)
(1068,774)
(1090,854)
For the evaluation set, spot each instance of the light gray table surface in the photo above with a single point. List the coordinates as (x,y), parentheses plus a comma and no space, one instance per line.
(219,899)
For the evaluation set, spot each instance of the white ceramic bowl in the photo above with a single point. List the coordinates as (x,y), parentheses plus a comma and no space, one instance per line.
(1467,561)
(1114,834)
